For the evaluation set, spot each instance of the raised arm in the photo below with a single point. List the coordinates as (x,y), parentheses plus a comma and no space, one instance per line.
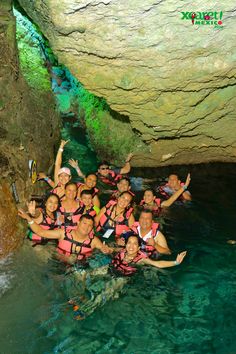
(50,234)
(126,168)
(164,264)
(59,160)
(42,175)
(74,164)
(177,194)
(35,214)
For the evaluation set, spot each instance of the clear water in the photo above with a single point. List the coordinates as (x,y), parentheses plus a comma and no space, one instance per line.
(186,309)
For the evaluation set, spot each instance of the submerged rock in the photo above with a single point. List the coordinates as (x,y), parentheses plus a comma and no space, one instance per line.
(173,79)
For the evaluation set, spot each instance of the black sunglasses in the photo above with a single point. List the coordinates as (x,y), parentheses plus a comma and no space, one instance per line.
(104,168)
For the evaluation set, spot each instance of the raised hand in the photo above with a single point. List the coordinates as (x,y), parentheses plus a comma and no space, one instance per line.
(180,257)
(188,179)
(63,143)
(23,214)
(41,175)
(129,157)
(73,163)
(31,207)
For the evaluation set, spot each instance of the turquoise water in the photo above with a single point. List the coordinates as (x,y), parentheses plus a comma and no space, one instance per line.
(187,309)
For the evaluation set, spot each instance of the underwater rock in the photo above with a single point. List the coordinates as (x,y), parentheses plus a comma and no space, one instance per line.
(174,80)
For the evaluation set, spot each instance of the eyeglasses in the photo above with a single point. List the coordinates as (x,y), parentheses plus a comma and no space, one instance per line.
(104,168)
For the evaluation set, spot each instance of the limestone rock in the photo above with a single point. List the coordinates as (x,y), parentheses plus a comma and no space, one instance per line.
(174,80)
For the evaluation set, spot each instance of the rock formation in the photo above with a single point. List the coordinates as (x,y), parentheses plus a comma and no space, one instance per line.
(171,74)
(29,129)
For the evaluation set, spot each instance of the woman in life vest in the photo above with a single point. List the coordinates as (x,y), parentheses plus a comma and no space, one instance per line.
(126,261)
(90,182)
(150,201)
(70,207)
(116,216)
(79,242)
(62,175)
(48,217)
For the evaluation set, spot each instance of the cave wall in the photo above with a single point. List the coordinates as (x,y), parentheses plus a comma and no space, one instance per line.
(29,129)
(174,80)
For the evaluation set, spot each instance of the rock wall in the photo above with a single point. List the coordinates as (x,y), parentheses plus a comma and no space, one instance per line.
(29,129)
(174,80)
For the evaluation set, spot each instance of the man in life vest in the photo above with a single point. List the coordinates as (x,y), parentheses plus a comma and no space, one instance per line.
(123,185)
(112,176)
(80,241)
(172,186)
(153,241)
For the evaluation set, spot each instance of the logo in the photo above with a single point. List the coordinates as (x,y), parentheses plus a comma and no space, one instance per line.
(208,18)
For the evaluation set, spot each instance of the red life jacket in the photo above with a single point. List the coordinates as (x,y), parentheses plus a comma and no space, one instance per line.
(68,246)
(150,250)
(55,191)
(124,267)
(94,189)
(71,218)
(167,191)
(112,178)
(89,211)
(46,224)
(156,208)
(121,225)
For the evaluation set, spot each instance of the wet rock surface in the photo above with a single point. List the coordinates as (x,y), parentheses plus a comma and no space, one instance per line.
(29,129)
(174,80)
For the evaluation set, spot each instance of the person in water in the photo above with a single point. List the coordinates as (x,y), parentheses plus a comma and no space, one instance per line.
(123,185)
(79,242)
(70,207)
(117,216)
(153,242)
(150,200)
(173,185)
(126,260)
(48,217)
(62,175)
(90,182)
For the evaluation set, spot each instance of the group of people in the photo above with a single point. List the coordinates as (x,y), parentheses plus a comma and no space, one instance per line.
(73,216)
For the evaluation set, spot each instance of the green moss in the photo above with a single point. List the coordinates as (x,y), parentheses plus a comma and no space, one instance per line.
(30,54)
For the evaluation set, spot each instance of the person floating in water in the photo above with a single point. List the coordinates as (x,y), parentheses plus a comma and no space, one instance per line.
(173,185)
(151,202)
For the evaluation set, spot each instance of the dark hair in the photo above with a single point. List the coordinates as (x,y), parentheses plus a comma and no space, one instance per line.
(71,184)
(91,174)
(51,195)
(86,192)
(134,235)
(88,217)
(103,163)
(127,192)
(124,178)
(150,190)
(146,211)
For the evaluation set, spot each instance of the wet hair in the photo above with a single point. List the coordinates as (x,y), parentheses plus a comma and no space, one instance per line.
(146,211)
(124,179)
(150,190)
(88,217)
(71,184)
(51,195)
(91,174)
(86,192)
(134,235)
(103,163)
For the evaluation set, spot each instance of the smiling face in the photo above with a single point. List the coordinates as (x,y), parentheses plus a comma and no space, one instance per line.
(174,182)
(51,204)
(64,178)
(86,199)
(145,221)
(148,197)
(124,200)
(103,170)
(71,191)
(85,226)
(123,186)
(91,181)
(132,246)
